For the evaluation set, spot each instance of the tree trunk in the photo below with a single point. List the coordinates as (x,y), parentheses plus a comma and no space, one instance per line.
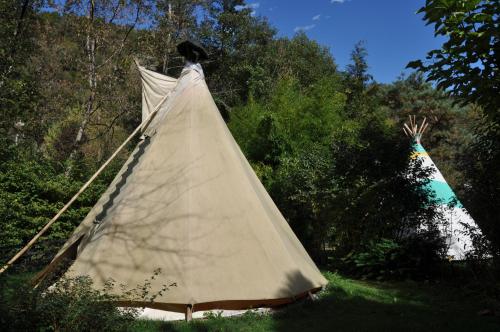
(90,50)
(19,24)
(168,41)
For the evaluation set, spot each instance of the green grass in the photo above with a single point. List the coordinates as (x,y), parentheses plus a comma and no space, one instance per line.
(351,305)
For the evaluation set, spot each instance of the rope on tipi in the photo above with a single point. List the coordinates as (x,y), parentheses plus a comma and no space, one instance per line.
(21,252)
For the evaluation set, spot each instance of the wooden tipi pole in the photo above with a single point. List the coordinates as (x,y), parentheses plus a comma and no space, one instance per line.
(412,129)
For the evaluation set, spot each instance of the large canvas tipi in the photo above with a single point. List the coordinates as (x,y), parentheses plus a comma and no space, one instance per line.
(188,202)
(458,224)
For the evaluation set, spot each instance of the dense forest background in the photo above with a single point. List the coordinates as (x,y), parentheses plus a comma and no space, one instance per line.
(327,142)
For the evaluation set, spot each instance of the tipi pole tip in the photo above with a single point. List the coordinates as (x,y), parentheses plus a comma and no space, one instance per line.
(424,128)
(419,129)
(413,129)
(423,122)
(410,132)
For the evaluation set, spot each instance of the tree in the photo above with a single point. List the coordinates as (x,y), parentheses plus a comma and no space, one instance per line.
(286,138)
(466,66)
(173,20)
(449,131)
(107,25)
(18,86)
(482,187)
(357,81)
(236,41)
(334,176)
(357,70)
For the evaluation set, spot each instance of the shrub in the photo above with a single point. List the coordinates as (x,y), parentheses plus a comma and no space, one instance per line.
(417,256)
(71,304)
(32,191)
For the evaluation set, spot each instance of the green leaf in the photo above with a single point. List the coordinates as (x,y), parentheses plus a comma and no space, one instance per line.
(416,64)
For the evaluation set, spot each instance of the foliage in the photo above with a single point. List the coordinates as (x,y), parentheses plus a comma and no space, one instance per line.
(71,304)
(377,261)
(231,34)
(357,77)
(171,22)
(31,192)
(450,126)
(18,84)
(480,162)
(334,174)
(290,121)
(466,66)
(415,256)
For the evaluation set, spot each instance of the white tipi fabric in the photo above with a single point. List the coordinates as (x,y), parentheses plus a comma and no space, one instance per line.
(188,202)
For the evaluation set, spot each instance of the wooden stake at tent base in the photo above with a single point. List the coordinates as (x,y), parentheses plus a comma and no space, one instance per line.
(189,313)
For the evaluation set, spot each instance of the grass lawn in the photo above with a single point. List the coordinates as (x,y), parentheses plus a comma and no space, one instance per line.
(351,305)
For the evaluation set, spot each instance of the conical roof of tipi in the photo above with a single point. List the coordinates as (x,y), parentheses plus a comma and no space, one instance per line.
(458,222)
(188,202)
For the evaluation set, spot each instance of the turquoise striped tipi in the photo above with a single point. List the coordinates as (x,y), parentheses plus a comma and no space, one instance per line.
(458,222)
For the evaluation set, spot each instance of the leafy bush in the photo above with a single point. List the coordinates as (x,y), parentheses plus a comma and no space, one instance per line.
(417,256)
(32,191)
(70,305)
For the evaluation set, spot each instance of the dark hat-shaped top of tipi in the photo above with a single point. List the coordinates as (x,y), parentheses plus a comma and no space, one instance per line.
(192,50)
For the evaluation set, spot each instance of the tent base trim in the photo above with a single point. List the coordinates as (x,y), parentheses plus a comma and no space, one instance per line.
(218,305)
